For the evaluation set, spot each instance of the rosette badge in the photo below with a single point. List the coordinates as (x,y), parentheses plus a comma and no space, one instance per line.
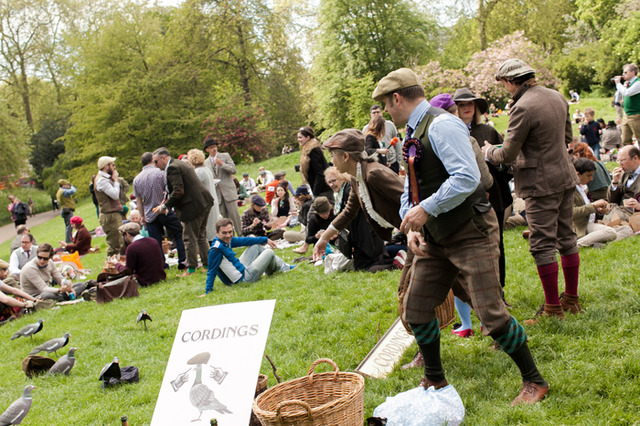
(412,152)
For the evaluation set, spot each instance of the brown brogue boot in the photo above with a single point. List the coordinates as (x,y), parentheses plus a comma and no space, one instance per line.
(549,310)
(426,383)
(417,361)
(570,303)
(530,394)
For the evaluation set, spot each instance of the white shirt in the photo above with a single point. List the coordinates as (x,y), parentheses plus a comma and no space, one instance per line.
(582,189)
(107,186)
(14,260)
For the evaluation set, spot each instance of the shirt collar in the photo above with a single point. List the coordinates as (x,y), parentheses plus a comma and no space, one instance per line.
(417,115)
(137,237)
(103,174)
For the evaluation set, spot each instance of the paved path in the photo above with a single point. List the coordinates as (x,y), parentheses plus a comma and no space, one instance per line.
(7,232)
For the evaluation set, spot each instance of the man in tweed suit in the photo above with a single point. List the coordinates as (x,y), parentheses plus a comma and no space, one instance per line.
(191,201)
(451,229)
(625,185)
(223,168)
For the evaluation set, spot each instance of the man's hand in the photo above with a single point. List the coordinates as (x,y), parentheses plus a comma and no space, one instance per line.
(414,220)
(617,79)
(256,221)
(63,244)
(218,161)
(414,241)
(601,206)
(114,176)
(484,149)
(318,249)
(272,244)
(616,174)
(161,209)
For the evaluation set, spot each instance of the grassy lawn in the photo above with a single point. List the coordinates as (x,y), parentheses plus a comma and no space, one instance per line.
(592,361)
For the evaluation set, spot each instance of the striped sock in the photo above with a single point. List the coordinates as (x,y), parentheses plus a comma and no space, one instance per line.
(428,339)
(511,336)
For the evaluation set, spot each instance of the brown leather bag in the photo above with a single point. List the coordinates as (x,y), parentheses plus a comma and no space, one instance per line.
(126,286)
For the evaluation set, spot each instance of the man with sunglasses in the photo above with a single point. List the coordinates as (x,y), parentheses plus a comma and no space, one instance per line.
(40,274)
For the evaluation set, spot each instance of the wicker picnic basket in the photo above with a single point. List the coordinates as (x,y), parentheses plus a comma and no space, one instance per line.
(333,398)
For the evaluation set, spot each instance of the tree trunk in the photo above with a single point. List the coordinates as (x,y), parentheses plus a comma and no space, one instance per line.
(242,67)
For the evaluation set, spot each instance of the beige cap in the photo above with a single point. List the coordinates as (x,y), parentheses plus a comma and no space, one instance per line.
(394,81)
(130,228)
(512,68)
(350,140)
(103,161)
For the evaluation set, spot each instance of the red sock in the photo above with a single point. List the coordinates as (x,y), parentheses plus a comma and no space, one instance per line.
(571,270)
(549,276)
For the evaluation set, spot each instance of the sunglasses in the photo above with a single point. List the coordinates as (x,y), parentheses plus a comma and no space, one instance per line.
(43,258)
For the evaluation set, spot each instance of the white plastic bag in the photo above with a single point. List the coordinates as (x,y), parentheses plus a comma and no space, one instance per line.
(420,407)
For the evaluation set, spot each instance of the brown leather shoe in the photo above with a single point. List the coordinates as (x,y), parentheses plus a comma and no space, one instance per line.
(417,361)
(570,303)
(530,394)
(525,234)
(426,383)
(548,310)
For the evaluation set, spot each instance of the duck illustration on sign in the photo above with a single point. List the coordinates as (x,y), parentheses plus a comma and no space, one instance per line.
(200,395)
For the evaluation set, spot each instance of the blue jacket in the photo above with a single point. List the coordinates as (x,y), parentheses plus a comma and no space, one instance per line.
(222,252)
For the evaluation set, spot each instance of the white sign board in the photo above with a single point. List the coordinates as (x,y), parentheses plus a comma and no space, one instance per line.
(387,352)
(214,364)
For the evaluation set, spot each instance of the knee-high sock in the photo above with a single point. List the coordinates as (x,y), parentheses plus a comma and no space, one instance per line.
(464,311)
(428,339)
(513,340)
(549,277)
(571,271)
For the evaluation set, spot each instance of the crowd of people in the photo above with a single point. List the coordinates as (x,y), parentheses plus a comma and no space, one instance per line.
(433,203)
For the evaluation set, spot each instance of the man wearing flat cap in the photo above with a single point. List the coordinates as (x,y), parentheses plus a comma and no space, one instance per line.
(376,189)
(67,205)
(223,168)
(107,190)
(539,132)
(451,229)
(144,257)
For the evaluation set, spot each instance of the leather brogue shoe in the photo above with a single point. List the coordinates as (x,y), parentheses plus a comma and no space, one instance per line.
(530,394)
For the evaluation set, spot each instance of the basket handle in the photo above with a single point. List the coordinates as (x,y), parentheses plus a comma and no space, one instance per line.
(311,371)
(293,402)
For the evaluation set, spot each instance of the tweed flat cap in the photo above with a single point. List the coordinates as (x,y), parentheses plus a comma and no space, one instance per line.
(512,68)
(394,81)
(63,182)
(350,140)
(130,228)
(103,161)
(3,264)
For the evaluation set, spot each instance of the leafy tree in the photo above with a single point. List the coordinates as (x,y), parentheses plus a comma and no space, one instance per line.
(13,143)
(361,39)
(47,144)
(482,68)
(437,80)
(241,131)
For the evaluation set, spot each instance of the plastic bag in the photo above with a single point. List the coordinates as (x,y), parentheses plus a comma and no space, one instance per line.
(420,407)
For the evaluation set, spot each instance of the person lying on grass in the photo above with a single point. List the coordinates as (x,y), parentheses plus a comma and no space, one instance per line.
(255,260)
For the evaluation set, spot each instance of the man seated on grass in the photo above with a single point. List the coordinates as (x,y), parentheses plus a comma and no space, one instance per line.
(144,256)
(39,274)
(255,260)
(5,291)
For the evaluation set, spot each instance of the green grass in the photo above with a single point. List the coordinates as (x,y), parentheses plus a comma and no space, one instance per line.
(592,360)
